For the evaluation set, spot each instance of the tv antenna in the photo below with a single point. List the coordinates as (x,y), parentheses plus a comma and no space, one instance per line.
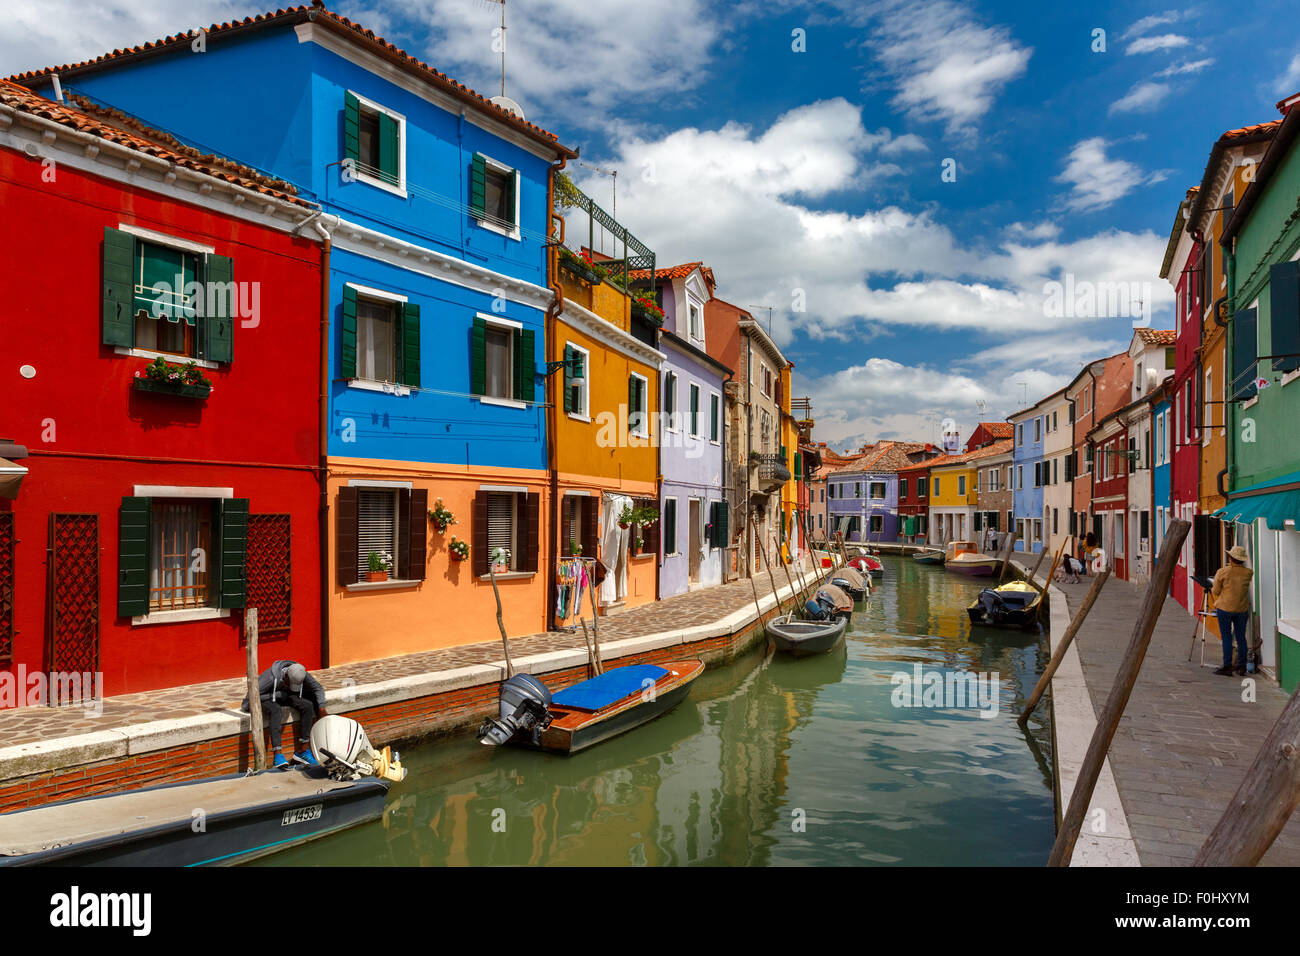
(756,308)
(981,405)
(1024,393)
(503,101)
(612,174)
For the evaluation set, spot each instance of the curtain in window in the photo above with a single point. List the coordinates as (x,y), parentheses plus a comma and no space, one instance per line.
(497,345)
(375,341)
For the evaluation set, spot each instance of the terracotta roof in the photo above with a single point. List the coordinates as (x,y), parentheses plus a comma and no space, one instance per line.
(316,13)
(673,272)
(997,429)
(885,455)
(1246,131)
(1157,336)
(988,451)
(125,130)
(1232,138)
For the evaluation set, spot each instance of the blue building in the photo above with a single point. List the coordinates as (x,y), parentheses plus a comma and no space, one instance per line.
(436,207)
(1028,478)
(1162,466)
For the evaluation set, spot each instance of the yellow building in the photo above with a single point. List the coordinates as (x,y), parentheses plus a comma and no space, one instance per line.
(790,536)
(954,492)
(605,432)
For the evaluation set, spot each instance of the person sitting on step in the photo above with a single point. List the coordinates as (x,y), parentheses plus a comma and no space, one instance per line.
(287,684)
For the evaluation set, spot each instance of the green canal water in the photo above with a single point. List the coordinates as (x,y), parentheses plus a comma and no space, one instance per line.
(770,761)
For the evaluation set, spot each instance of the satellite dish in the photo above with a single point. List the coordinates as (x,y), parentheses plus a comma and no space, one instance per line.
(509,105)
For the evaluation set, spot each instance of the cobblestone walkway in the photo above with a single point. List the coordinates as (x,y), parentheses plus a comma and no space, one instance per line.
(1186,738)
(28,724)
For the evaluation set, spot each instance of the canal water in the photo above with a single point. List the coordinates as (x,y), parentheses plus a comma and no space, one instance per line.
(770,761)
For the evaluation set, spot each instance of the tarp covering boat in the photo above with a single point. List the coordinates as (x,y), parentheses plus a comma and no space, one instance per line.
(611,686)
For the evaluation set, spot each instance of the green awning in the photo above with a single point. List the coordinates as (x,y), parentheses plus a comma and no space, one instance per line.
(1275,501)
(162,277)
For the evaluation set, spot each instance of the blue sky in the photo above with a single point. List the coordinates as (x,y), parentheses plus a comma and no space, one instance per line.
(816,175)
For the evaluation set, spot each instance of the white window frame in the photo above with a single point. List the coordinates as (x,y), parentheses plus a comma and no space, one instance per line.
(514,328)
(1209,397)
(642,429)
(764,380)
(677,544)
(400,188)
(501,167)
(585,414)
(671,418)
(373,384)
(715,395)
(694,326)
(694,389)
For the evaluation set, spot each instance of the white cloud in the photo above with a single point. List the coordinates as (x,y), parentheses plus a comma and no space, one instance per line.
(1146,23)
(1186,66)
(1096,180)
(1142,98)
(1289,81)
(1166,41)
(945,64)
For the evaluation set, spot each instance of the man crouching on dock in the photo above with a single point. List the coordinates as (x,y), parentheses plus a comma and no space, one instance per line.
(287,684)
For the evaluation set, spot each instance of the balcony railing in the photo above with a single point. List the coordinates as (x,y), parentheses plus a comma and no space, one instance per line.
(773,468)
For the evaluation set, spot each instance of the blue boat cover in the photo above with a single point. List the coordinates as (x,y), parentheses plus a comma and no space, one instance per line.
(609,687)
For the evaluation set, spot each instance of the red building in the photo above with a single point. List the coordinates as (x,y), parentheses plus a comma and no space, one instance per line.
(153,510)
(1108,443)
(1182,268)
(914,502)
(986,433)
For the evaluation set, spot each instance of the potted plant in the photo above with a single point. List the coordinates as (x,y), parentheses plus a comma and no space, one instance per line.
(626,516)
(500,558)
(380,563)
(184,380)
(581,266)
(575,549)
(645,516)
(459,549)
(638,545)
(441,517)
(646,307)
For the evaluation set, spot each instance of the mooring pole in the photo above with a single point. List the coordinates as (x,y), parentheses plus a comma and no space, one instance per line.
(505,643)
(1264,802)
(254,696)
(780,609)
(1154,599)
(1059,654)
(1006,555)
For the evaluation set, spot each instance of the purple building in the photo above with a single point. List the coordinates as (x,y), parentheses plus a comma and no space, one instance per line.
(862,494)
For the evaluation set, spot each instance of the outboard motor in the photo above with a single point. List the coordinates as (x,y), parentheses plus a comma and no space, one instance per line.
(524,707)
(820,608)
(341,747)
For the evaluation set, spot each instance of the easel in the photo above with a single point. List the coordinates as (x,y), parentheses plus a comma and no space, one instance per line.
(1202,626)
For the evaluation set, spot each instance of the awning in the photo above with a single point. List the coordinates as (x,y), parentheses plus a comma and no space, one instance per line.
(11,477)
(1275,501)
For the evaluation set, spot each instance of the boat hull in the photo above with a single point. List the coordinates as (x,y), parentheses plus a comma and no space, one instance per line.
(311,807)
(979,569)
(922,557)
(857,594)
(573,730)
(805,638)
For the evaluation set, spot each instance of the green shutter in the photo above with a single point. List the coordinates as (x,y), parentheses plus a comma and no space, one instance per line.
(1245,353)
(713,417)
(348,339)
(234,550)
(351,127)
(219,327)
(478,358)
(1284,315)
(721,533)
(477,186)
(525,365)
(695,411)
(568,389)
(512,191)
(133,558)
(631,401)
(389,149)
(409,374)
(118,321)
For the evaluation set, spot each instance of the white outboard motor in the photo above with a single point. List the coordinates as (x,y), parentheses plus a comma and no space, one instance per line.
(524,707)
(341,747)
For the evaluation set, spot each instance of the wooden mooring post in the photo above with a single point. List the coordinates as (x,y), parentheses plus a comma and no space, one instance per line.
(254,696)
(780,609)
(1268,795)
(1006,555)
(1059,654)
(1152,602)
(505,642)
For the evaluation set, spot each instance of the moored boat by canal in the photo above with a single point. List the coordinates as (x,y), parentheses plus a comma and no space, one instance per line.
(964,558)
(1012,605)
(867,564)
(817,632)
(590,711)
(838,598)
(929,556)
(244,816)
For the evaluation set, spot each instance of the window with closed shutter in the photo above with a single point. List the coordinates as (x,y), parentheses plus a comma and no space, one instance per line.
(376,526)
(501,524)
(670,525)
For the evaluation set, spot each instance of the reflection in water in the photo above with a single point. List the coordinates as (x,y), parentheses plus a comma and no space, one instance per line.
(771,760)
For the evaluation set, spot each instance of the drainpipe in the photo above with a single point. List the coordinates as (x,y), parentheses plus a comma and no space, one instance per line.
(749,444)
(323,510)
(722,415)
(1229,427)
(552,313)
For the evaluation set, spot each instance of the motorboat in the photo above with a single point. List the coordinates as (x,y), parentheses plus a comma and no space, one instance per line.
(964,557)
(1012,605)
(816,632)
(929,556)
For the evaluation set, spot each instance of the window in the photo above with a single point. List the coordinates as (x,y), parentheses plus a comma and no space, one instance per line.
(503,363)
(923,487)
(380,339)
(149,299)
(670,526)
(902,488)
(877,490)
(857,489)
(181,553)
(767,380)
(374,140)
(696,325)
(494,195)
(501,522)
(936,485)
(508,518)
(718,530)
(1038,429)
(695,410)
(669,401)
(637,398)
(576,392)
(961,485)
(1020,434)
(374,516)
(715,415)
(877,524)
(1209,397)
(1020,477)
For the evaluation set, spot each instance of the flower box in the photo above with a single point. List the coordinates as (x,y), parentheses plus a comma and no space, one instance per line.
(374,577)
(578,269)
(165,387)
(643,311)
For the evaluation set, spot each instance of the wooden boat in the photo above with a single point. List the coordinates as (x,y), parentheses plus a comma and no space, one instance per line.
(852,582)
(802,638)
(839,599)
(590,711)
(964,557)
(867,564)
(1011,605)
(245,816)
(928,556)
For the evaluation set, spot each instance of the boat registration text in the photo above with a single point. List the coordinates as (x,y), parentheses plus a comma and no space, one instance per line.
(302,814)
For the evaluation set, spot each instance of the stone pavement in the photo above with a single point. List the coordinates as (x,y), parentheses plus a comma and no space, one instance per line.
(29,724)
(1186,738)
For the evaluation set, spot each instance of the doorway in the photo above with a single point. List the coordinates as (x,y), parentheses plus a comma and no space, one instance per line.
(693,541)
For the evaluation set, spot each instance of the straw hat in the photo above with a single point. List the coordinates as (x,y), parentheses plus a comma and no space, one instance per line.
(1237,553)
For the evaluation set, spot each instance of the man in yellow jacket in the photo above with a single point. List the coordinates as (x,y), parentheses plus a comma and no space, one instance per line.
(1231,594)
